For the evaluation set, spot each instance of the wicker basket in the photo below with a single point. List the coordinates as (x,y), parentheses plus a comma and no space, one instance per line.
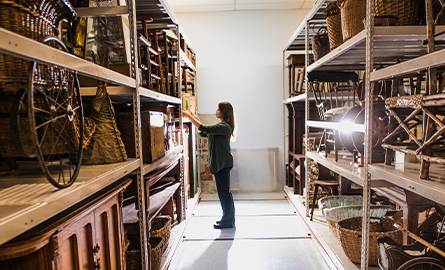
(339,200)
(336,214)
(161,227)
(133,257)
(320,44)
(333,20)
(352,14)
(34,19)
(406,11)
(350,231)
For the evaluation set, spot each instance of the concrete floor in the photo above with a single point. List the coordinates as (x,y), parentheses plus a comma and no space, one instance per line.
(268,235)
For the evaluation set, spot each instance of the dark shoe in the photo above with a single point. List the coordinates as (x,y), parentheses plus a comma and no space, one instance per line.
(219,221)
(223,225)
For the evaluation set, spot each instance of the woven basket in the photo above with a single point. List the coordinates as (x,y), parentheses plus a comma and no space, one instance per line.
(161,227)
(350,234)
(320,44)
(339,200)
(406,11)
(133,257)
(333,20)
(34,19)
(352,14)
(336,214)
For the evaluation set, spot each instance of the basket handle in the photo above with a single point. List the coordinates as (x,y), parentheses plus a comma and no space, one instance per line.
(324,28)
(341,3)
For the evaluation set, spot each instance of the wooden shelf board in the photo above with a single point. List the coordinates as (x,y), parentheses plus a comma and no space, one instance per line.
(158,200)
(406,175)
(345,168)
(155,176)
(391,44)
(15,44)
(171,156)
(27,198)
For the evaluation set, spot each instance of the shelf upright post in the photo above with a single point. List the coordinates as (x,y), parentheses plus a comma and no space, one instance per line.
(432,88)
(306,109)
(368,131)
(141,192)
(181,135)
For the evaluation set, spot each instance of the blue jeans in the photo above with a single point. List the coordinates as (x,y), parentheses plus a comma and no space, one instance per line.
(222,178)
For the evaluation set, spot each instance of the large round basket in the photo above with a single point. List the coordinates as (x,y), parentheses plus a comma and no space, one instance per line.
(350,234)
(333,20)
(406,11)
(336,214)
(352,14)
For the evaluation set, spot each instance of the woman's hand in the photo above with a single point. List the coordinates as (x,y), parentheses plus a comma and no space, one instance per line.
(192,117)
(186,114)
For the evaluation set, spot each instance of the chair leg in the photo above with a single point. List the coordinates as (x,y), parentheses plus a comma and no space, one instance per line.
(313,200)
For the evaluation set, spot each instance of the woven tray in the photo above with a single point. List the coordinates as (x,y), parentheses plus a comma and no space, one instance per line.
(350,234)
(338,200)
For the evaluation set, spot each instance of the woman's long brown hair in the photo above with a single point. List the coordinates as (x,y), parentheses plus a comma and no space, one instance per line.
(228,114)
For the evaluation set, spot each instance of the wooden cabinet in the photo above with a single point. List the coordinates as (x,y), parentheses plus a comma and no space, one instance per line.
(296,120)
(90,237)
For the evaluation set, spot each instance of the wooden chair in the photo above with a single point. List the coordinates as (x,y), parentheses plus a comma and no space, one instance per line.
(325,180)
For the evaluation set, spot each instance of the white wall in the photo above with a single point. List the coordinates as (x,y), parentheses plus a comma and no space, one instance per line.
(240,59)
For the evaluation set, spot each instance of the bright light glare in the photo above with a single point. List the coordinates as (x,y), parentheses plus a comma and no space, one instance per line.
(346,127)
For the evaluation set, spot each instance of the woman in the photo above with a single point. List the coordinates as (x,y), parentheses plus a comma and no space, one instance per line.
(220,157)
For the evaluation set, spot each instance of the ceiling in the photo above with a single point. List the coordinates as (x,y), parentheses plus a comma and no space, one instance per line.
(182,6)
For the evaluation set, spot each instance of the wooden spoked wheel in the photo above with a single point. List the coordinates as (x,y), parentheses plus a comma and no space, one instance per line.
(56,119)
(345,137)
(380,122)
(423,263)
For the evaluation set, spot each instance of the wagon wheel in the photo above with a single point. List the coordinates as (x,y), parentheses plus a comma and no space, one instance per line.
(345,137)
(56,119)
(380,122)
(422,263)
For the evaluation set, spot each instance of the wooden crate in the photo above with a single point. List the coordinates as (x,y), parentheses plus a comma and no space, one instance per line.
(153,140)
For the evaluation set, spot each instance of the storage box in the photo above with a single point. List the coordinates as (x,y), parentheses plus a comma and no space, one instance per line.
(189,102)
(153,140)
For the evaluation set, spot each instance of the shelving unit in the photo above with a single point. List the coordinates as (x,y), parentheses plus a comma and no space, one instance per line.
(399,51)
(28,200)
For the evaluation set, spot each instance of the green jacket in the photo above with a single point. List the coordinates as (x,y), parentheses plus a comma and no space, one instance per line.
(219,135)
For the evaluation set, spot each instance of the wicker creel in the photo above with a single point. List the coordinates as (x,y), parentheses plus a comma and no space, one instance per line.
(350,234)
(352,14)
(406,11)
(133,257)
(161,227)
(320,43)
(333,20)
